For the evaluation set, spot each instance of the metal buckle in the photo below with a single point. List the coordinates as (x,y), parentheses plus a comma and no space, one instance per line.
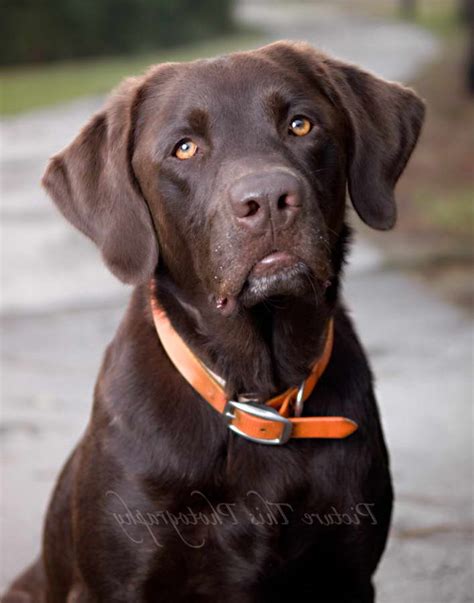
(264,412)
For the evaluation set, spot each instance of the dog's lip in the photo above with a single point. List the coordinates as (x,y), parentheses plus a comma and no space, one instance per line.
(273,262)
(272,265)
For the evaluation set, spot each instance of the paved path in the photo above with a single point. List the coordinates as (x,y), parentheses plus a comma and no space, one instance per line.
(60,307)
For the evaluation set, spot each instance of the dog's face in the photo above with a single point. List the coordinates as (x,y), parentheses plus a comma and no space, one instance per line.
(236,169)
(243,166)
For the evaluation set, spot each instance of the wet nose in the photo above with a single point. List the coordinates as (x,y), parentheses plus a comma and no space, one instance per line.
(263,199)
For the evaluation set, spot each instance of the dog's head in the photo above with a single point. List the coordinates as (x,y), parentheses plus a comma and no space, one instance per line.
(236,169)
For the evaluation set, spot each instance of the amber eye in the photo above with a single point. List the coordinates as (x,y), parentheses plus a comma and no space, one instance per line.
(300,126)
(185,149)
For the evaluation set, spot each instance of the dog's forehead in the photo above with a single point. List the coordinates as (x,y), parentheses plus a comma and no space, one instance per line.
(233,81)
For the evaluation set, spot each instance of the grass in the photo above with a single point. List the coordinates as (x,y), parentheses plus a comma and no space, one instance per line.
(26,88)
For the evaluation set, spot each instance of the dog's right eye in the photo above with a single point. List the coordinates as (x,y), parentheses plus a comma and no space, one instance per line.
(300,126)
(185,149)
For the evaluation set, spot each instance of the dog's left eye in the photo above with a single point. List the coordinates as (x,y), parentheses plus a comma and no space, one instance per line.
(185,149)
(300,126)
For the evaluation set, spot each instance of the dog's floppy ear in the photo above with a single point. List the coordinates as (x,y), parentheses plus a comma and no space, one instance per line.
(385,119)
(93,185)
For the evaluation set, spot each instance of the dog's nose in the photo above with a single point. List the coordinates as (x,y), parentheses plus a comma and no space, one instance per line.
(266,198)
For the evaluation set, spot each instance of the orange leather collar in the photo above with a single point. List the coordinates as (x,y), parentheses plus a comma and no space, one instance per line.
(268,423)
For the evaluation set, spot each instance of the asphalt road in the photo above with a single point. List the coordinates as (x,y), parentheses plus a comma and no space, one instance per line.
(60,307)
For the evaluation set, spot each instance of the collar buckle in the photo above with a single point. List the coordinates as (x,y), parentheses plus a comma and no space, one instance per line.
(262,412)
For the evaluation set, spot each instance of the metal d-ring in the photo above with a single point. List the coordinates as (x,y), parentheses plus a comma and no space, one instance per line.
(299,401)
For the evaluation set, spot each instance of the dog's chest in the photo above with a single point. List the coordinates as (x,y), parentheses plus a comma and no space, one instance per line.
(257,512)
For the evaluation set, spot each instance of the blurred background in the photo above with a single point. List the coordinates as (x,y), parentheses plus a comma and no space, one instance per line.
(410,290)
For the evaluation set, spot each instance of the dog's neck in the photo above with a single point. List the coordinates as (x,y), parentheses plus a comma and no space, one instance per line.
(264,349)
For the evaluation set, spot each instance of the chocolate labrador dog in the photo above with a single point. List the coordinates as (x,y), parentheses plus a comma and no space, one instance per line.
(218,188)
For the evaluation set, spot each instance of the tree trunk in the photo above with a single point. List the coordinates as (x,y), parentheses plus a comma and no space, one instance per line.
(467,15)
(408,8)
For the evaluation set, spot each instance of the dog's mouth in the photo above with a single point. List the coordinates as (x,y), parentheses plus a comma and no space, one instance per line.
(273,263)
(279,273)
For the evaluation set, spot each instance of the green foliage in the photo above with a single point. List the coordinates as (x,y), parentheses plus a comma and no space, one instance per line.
(46,30)
(443,17)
